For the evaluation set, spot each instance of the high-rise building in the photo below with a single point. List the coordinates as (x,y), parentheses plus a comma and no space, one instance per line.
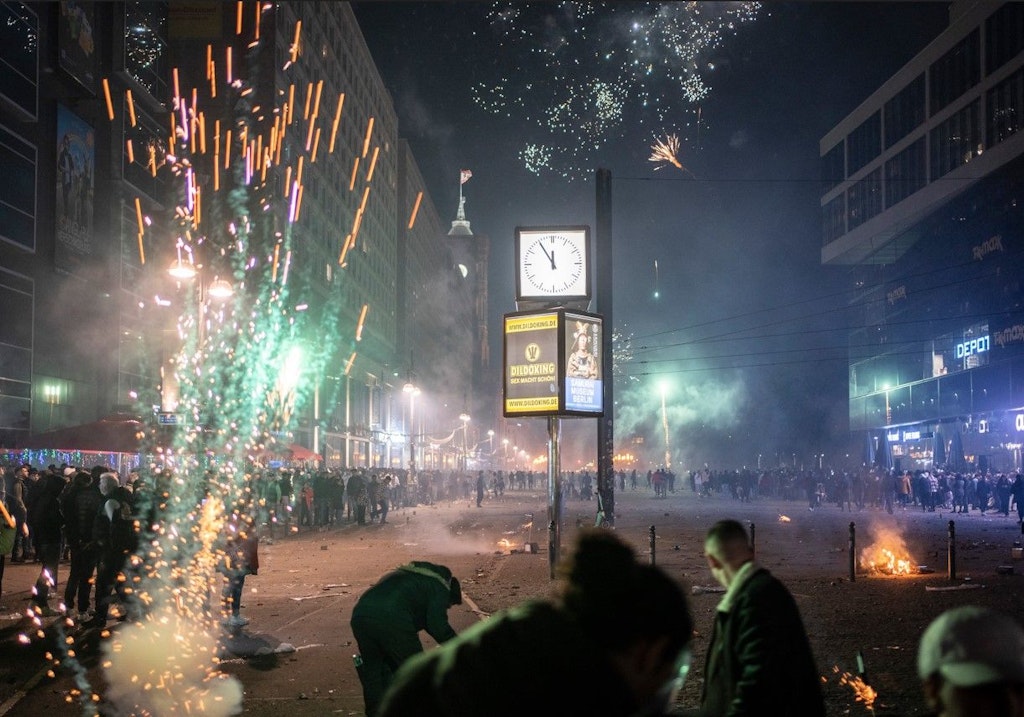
(923,199)
(87,112)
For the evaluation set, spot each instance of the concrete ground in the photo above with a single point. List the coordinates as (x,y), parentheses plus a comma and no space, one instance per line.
(296,652)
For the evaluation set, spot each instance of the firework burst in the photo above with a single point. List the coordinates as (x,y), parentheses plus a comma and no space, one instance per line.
(665,152)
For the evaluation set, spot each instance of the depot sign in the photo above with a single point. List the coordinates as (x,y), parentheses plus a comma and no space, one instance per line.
(973,346)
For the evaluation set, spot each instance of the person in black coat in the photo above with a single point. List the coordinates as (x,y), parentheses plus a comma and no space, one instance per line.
(79,503)
(45,521)
(388,617)
(759,659)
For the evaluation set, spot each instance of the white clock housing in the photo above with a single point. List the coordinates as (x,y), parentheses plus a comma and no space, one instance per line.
(552,264)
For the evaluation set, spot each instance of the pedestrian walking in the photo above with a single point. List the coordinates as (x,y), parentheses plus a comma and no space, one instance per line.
(759,659)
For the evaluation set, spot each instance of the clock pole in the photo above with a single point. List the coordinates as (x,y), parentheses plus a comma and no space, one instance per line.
(603,293)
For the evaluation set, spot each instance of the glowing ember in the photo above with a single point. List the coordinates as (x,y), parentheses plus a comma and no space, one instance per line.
(862,691)
(505,544)
(888,555)
(784,519)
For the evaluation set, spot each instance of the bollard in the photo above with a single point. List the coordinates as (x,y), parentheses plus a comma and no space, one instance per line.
(652,540)
(853,552)
(952,550)
(552,549)
(753,541)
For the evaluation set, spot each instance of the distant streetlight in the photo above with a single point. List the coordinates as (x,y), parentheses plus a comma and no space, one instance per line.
(464,417)
(663,386)
(413,391)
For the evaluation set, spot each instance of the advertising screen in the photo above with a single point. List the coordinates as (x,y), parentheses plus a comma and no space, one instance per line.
(531,364)
(583,385)
(553,364)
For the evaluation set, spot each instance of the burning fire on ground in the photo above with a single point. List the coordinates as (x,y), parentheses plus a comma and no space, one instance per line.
(888,555)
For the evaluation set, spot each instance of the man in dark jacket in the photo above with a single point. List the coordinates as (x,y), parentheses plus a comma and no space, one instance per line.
(44,520)
(388,617)
(79,503)
(759,659)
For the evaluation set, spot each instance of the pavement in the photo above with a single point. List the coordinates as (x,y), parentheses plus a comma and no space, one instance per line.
(296,652)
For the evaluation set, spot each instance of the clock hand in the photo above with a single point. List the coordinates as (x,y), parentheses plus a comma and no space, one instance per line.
(550,255)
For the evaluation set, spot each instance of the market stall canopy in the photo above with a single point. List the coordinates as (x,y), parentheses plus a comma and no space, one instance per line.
(292,452)
(117,433)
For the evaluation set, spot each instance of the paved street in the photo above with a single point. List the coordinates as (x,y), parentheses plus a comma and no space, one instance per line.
(309,582)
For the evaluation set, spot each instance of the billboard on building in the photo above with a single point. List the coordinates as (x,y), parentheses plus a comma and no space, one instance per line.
(76,170)
(552,364)
(76,46)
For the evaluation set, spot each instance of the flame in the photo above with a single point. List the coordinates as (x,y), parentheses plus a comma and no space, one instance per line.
(784,519)
(862,691)
(888,555)
(505,544)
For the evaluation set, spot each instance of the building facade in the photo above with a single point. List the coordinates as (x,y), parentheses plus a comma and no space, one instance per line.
(84,108)
(923,200)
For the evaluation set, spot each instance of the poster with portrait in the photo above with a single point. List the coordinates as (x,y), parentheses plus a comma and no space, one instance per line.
(75,42)
(583,379)
(76,164)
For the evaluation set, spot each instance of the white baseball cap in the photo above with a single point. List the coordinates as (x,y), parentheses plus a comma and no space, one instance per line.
(970,646)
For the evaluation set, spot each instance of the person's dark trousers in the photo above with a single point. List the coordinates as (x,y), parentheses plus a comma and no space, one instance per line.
(21,542)
(107,568)
(49,556)
(383,649)
(383,510)
(83,565)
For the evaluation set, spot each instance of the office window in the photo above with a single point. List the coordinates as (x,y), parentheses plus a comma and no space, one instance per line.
(17,191)
(905,173)
(864,143)
(955,72)
(16,296)
(904,112)
(145,46)
(864,199)
(19,62)
(1004,35)
(832,168)
(1005,108)
(955,141)
(833,219)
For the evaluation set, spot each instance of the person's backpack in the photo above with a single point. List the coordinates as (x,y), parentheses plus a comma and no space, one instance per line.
(123,536)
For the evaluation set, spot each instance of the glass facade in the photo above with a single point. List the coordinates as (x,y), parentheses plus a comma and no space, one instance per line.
(956,141)
(864,199)
(905,112)
(145,46)
(864,144)
(1004,36)
(19,62)
(955,72)
(17,191)
(16,296)
(906,173)
(1004,108)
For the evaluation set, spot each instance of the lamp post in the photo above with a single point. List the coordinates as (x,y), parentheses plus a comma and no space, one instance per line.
(664,424)
(413,391)
(464,417)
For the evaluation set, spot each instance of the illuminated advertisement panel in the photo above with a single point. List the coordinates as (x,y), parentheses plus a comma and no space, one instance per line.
(583,374)
(531,364)
(552,364)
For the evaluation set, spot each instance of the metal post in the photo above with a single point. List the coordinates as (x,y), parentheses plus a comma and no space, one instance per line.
(652,539)
(603,294)
(952,550)
(853,552)
(554,494)
(753,541)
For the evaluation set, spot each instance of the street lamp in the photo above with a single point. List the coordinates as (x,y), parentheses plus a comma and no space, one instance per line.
(664,424)
(504,443)
(464,417)
(413,391)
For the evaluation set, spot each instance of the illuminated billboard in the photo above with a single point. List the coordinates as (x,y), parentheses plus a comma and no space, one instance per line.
(552,364)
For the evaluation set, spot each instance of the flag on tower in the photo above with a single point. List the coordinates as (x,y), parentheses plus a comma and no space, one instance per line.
(465,176)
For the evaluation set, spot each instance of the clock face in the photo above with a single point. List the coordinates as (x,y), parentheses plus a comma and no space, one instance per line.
(553,263)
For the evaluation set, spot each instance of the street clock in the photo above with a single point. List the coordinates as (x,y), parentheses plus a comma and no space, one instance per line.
(552,264)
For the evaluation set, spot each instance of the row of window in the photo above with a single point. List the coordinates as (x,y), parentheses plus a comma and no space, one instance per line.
(962,136)
(948,78)
(998,386)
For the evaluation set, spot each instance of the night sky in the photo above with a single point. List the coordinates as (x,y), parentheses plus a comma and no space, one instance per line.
(748,331)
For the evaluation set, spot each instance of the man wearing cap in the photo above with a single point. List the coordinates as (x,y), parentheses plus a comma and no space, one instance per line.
(388,617)
(971,664)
